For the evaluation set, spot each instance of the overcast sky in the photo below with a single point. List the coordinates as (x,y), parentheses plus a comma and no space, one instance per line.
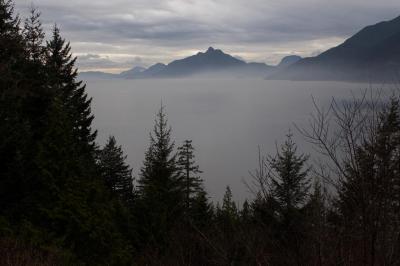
(114,35)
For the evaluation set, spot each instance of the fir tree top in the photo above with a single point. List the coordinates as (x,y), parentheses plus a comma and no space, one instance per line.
(289,175)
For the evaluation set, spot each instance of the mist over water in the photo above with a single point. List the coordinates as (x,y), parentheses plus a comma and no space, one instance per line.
(227,119)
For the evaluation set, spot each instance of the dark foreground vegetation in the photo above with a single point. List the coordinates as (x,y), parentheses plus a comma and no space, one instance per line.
(66,201)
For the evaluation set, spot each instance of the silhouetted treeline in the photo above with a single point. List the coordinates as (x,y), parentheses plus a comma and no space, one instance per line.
(66,201)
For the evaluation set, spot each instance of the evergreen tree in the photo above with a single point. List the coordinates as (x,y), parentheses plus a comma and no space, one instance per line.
(11,60)
(245,212)
(289,176)
(228,223)
(316,211)
(12,130)
(62,76)
(201,211)
(192,184)
(229,209)
(40,96)
(11,41)
(116,173)
(369,195)
(49,194)
(24,105)
(159,183)
(290,187)
(34,36)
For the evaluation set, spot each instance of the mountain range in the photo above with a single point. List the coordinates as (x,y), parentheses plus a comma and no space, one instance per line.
(211,63)
(372,54)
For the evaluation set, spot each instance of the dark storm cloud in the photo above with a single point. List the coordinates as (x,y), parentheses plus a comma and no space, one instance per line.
(159,30)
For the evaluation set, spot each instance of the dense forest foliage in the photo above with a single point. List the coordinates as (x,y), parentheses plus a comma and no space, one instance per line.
(66,201)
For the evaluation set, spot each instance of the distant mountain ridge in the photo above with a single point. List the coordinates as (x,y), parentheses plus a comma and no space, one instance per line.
(132,72)
(371,54)
(98,75)
(213,62)
(288,60)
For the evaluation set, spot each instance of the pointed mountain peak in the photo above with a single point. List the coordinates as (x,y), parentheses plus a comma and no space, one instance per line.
(210,49)
(213,52)
(159,65)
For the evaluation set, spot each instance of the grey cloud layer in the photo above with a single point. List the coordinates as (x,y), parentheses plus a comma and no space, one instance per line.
(162,29)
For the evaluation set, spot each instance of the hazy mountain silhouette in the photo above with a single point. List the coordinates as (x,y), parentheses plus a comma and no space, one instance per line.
(135,72)
(132,72)
(211,60)
(212,63)
(98,75)
(371,54)
(288,60)
(150,72)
